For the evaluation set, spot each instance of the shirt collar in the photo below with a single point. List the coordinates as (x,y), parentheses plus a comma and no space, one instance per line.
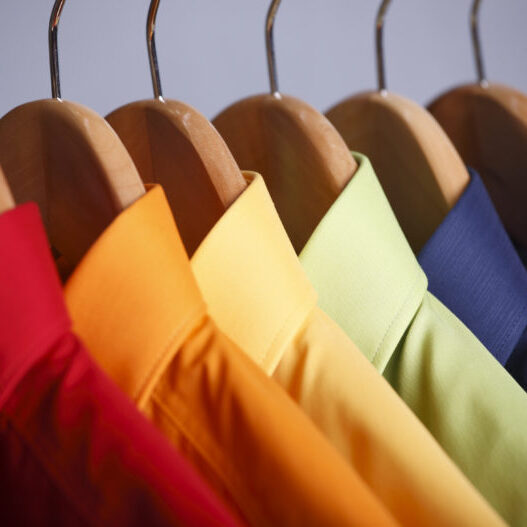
(133,297)
(32,310)
(473,269)
(361,265)
(251,278)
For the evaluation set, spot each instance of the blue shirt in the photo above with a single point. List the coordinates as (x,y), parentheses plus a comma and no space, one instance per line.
(473,268)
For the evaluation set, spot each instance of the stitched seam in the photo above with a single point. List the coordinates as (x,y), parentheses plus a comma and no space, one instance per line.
(50,472)
(285,324)
(203,451)
(396,316)
(177,332)
(233,483)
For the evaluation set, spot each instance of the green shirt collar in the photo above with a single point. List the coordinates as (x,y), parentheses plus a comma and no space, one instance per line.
(363,269)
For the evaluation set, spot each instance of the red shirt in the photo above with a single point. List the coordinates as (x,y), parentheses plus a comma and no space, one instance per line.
(73,448)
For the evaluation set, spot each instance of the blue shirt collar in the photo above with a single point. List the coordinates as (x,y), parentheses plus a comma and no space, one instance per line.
(473,268)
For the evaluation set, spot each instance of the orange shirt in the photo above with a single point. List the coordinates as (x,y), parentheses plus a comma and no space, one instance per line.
(136,305)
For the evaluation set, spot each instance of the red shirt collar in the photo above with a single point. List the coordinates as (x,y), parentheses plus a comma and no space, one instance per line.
(32,310)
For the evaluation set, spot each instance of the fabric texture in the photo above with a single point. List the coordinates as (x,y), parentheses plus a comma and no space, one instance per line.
(473,268)
(136,304)
(370,283)
(73,448)
(259,295)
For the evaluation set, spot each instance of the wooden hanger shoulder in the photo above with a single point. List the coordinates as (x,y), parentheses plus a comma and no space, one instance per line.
(302,158)
(69,161)
(488,126)
(417,165)
(173,144)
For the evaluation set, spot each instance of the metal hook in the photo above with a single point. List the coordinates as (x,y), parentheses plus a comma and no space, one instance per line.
(54,56)
(379,40)
(476,43)
(53,48)
(151,44)
(269,46)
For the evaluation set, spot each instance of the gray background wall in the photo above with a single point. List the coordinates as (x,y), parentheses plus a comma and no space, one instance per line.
(211,52)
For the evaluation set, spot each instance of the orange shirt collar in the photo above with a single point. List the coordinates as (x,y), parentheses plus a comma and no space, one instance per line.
(132,335)
(250,276)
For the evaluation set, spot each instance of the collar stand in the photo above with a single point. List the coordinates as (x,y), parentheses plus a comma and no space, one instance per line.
(251,278)
(133,297)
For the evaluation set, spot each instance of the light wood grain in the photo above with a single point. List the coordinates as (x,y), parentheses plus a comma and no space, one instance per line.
(488,125)
(69,161)
(173,144)
(302,158)
(420,171)
(6,198)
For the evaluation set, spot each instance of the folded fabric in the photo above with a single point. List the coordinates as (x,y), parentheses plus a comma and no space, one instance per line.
(73,449)
(136,304)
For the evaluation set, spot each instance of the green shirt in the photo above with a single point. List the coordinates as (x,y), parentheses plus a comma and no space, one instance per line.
(370,283)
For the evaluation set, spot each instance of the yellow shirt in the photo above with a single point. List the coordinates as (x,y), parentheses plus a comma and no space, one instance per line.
(259,295)
(137,307)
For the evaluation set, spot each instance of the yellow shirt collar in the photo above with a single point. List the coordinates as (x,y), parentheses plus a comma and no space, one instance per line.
(251,278)
(130,334)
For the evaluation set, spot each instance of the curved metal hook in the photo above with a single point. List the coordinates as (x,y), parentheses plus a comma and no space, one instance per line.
(476,42)
(151,44)
(379,41)
(53,48)
(269,46)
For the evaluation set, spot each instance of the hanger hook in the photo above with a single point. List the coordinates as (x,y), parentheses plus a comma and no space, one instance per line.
(53,48)
(269,46)
(476,42)
(379,41)
(151,45)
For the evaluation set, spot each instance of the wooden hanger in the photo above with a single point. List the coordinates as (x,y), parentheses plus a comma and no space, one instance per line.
(304,161)
(420,171)
(173,144)
(69,161)
(488,125)
(6,198)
